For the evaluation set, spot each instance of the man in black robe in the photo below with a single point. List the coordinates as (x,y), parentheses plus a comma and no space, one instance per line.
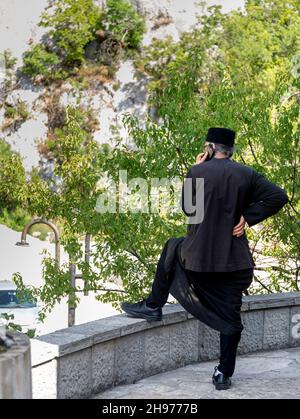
(208,270)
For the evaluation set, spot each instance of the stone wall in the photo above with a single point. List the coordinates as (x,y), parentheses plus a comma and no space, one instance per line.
(92,357)
(15,369)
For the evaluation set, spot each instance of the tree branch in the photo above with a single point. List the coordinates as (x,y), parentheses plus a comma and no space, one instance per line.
(252,152)
(264,286)
(135,254)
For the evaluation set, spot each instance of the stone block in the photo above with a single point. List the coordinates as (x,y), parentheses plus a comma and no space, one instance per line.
(183,343)
(265,301)
(252,335)
(276,328)
(109,328)
(134,326)
(175,317)
(99,330)
(157,351)
(66,342)
(75,375)
(155,324)
(209,343)
(129,358)
(15,369)
(295,326)
(172,308)
(103,366)
(245,305)
(173,313)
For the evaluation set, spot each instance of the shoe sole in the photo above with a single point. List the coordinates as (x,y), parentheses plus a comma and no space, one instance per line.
(220,386)
(143,316)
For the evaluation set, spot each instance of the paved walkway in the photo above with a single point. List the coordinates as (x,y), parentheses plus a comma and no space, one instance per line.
(274,375)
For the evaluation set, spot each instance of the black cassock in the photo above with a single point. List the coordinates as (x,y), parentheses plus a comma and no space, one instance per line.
(208,270)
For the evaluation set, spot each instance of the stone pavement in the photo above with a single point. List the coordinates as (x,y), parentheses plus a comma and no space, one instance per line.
(261,375)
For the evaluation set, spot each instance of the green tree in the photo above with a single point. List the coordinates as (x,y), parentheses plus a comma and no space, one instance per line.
(208,78)
(12,178)
(70,202)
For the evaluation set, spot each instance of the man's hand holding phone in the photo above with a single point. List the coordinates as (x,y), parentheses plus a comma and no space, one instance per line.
(201,157)
(207,154)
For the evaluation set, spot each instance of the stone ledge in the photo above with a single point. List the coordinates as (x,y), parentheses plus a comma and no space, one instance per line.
(73,339)
(69,340)
(272,300)
(121,349)
(63,342)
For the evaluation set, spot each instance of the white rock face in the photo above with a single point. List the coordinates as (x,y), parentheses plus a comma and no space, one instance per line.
(111,106)
(25,138)
(19,24)
(182,13)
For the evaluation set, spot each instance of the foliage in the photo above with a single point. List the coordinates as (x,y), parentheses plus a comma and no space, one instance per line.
(70,203)
(73,25)
(15,115)
(14,218)
(12,188)
(7,63)
(9,60)
(209,78)
(254,90)
(39,61)
(19,111)
(206,80)
(123,23)
(11,326)
(12,178)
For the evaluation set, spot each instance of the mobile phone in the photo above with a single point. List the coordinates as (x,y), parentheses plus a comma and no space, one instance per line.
(210,152)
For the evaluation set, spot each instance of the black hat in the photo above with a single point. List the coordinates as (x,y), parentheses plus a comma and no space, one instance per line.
(221,136)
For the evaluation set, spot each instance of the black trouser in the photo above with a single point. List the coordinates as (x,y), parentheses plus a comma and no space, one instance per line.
(228,348)
(159,296)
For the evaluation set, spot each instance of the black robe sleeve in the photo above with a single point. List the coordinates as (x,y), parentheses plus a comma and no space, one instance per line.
(266,199)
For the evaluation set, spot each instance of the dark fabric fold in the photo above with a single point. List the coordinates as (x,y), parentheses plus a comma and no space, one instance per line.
(215,298)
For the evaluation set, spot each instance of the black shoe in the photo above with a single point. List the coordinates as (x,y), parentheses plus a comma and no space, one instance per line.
(220,381)
(142,311)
